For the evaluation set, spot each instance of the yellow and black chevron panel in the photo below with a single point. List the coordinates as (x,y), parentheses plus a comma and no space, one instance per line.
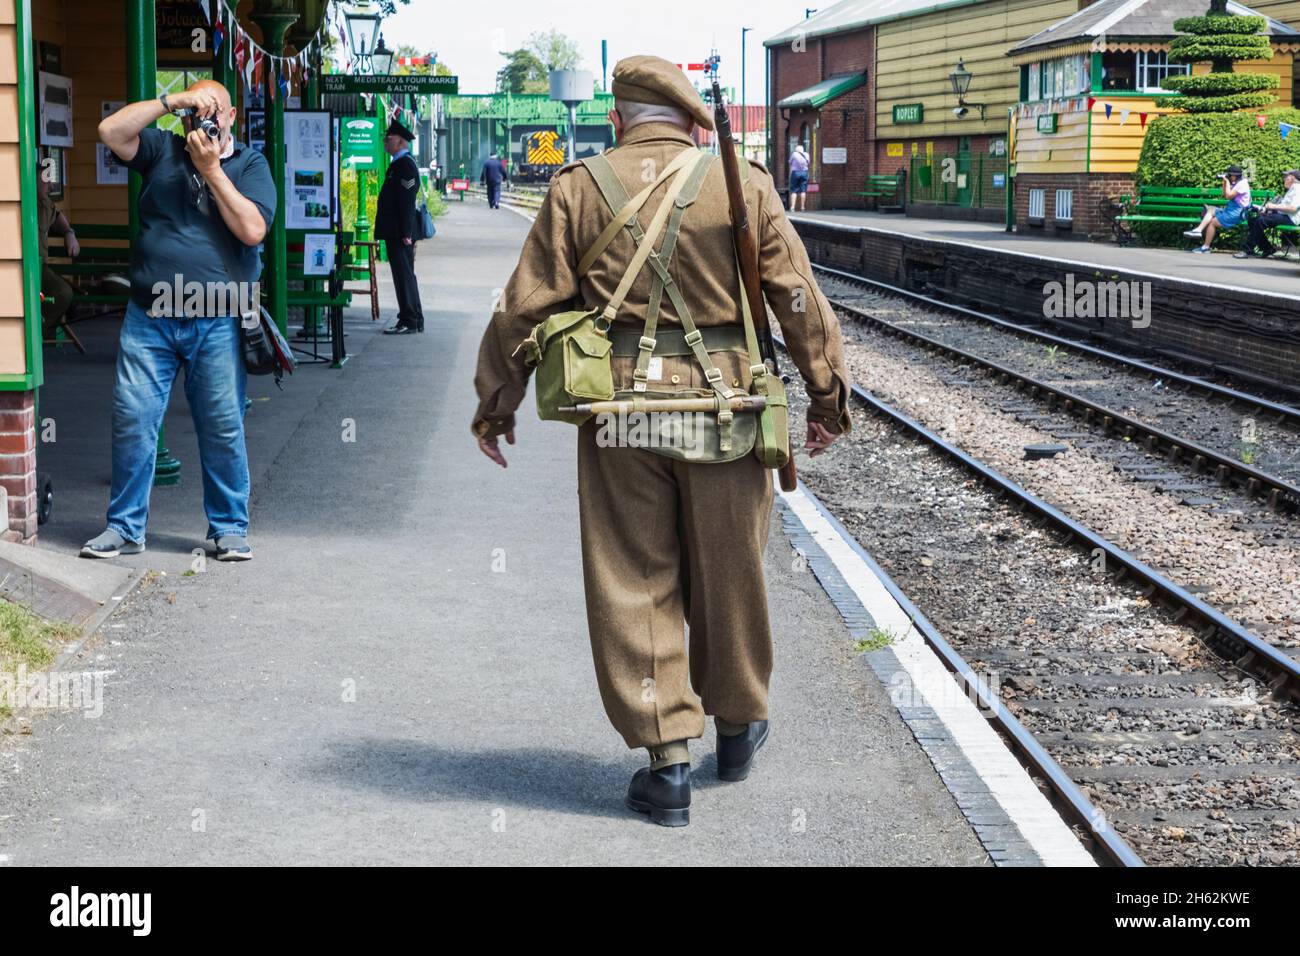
(545,148)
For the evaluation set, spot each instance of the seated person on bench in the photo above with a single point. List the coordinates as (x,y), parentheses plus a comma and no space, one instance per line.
(1236,189)
(55,291)
(1283,211)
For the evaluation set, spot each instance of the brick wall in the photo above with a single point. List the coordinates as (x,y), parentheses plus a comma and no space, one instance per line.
(847,121)
(18,465)
(1090,189)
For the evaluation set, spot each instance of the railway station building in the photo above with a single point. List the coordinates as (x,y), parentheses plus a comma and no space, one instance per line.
(1056,103)
(1089,87)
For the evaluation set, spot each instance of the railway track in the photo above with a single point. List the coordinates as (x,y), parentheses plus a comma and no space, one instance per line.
(1159,400)
(1117,688)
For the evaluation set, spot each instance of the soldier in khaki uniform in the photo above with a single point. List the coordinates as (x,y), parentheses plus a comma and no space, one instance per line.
(666,541)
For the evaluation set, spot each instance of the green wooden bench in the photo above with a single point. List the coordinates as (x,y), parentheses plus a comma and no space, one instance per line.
(885,186)
(1175,205)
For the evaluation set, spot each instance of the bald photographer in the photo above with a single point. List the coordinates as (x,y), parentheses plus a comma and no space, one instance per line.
(205,207)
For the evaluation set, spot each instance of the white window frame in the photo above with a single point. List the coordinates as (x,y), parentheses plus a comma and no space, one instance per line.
(1037,204)
(1063,206)
(1144,61)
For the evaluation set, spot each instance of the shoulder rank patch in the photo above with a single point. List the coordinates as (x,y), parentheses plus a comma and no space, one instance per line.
(408,183)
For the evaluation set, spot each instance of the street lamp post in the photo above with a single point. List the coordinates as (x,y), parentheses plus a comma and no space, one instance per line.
(381,61)
(363,32)
(960,79)
(744,117)
(371,56)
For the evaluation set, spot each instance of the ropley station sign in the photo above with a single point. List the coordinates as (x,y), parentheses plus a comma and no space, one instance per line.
(416,83)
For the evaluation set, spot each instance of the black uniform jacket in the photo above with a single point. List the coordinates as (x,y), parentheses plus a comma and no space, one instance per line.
(395,216)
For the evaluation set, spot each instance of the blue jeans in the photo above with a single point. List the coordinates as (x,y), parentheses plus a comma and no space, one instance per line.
(151,352)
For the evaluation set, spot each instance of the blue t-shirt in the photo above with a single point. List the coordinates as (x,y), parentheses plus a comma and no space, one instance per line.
(176,238)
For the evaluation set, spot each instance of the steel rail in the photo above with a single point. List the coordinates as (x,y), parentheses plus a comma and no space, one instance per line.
(1229,639)
(1108,845)
(1279,493)
(1287,413)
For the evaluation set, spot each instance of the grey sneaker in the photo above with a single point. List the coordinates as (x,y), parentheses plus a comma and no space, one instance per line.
(233,547)
(1192,233)
(110,544)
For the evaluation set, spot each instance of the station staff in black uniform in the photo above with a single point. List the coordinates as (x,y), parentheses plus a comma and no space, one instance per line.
(397,223)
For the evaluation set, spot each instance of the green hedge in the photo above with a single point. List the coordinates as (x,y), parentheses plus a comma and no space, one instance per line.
(1219,84)
(1188,149)
(1210,25)
(1225,104)
(1197,49)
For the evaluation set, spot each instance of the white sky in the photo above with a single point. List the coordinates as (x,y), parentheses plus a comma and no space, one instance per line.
(469,37)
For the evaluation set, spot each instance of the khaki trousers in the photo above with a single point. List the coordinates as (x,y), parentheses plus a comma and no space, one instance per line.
(666,543)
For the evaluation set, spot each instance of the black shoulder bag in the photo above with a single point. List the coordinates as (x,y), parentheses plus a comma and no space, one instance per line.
(264,349)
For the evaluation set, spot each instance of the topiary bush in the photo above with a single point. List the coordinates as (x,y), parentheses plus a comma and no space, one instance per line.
(1221,39)
(1189,149)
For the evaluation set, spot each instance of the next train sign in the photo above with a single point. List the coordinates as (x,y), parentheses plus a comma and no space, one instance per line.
(416,83)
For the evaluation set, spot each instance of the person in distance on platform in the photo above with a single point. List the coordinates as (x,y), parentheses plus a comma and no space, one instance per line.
(494,174)
(1283,211)
(397,222)
(1236,189)
(798,177)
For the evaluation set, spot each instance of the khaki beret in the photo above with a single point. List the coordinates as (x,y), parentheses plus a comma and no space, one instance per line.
(652,79)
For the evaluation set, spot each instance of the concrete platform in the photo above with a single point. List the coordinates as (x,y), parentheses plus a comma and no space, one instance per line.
(1209,313)
(1276,277)
(372,689)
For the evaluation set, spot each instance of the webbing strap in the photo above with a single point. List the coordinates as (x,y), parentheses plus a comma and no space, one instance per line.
(646,246)
(663,280)
(602,172)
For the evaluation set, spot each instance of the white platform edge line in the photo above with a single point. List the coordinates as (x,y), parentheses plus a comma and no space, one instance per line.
(1009,783)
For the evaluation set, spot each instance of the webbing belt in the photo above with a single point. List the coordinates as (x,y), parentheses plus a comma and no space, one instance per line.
(717,338)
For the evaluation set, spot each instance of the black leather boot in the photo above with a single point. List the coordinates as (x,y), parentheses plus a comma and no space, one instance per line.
(665,794)
(736,753)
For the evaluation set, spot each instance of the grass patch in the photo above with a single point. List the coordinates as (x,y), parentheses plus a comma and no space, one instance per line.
(27,639)
(876,639)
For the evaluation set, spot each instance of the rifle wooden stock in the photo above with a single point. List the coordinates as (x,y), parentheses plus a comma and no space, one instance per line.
(741,403)
(746,250)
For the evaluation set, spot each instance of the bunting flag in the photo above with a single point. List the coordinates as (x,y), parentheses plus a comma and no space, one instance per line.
(1108,109)
(1091,101)
(207,9)
(1123,116)
(240,53)
(218,34)
(1284,129)
(1143,118)
(1260,120)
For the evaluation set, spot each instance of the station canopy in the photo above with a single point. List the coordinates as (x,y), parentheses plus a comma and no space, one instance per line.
(820,93)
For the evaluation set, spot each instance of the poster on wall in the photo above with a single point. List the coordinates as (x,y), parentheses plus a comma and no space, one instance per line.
(318,253)
(54,97)
(256,132)
(108,171)
(308,169)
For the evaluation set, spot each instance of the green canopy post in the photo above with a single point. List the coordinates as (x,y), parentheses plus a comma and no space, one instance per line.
(275,17)
(142,84)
